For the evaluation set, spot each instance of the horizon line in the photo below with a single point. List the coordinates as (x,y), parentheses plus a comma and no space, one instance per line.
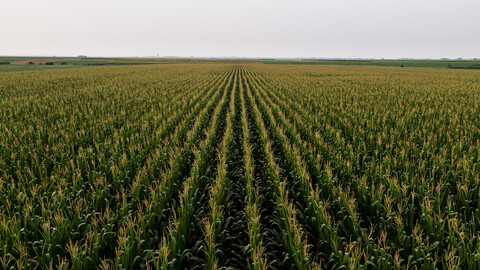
(251,58)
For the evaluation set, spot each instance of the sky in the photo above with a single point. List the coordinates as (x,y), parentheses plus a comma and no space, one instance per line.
(243,28)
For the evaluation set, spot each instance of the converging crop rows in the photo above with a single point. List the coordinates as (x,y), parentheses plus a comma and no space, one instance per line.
(240,166)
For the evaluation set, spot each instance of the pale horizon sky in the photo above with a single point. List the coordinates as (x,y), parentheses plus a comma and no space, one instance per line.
(269,28)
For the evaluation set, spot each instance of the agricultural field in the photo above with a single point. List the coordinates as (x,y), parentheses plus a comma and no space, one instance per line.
(12,63)
(240,165)
(453,64)
(15,64)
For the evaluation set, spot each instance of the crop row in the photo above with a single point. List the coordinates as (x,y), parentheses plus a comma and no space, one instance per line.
(239,167)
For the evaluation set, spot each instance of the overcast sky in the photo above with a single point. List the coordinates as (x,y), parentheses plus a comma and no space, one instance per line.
(248,28)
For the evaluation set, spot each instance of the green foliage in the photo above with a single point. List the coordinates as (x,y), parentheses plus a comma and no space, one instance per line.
(239,166)
(465,64)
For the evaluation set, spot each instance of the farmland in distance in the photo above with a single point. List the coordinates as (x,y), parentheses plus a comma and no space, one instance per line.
(240,166)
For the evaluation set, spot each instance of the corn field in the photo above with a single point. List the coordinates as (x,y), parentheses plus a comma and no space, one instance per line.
(240,166)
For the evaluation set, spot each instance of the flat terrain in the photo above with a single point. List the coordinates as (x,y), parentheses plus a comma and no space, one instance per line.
(453,64)
(9,64)
(240,164)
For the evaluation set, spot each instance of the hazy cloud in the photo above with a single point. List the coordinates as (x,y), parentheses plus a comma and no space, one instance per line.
(308,28)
